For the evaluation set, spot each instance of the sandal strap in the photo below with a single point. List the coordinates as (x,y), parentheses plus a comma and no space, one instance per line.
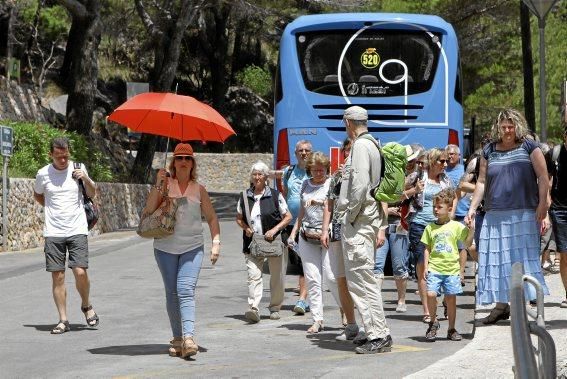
(87,308)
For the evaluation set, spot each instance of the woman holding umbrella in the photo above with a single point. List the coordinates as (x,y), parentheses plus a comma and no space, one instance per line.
(180,255)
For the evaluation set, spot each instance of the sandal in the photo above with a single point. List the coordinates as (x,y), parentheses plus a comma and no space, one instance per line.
(175,347)
(316,327)
(61,327)
(497,315)
(426,319)
(91,321)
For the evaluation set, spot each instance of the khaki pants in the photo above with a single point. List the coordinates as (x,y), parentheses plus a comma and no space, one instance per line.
(358,249)
(278,266)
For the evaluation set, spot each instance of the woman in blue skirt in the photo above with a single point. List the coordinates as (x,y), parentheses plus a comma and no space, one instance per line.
(514,184)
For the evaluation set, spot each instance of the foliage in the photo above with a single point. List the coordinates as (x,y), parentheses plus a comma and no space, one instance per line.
(31,151)
(258,79)
(53,21)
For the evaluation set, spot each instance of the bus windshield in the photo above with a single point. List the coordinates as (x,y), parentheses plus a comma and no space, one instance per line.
(319,53)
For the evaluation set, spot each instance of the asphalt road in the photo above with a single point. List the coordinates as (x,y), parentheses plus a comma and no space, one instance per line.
(132,338)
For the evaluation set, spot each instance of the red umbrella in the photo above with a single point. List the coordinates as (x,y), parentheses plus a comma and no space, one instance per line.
(175,116)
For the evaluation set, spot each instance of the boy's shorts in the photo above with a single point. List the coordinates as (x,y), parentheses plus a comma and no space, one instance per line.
(450,284)
(56,251)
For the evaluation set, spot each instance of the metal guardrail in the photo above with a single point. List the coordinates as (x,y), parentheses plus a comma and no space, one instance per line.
(530,361)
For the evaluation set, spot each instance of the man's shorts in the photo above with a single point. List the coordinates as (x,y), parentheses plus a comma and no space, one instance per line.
(450,284)
(559,222)
(547,241)
(56,251)
(294,264)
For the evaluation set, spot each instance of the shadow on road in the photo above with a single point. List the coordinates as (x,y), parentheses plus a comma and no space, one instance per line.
(49,327)
(133,350)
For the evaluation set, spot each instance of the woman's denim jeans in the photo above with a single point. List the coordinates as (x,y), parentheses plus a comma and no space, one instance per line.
(180,273)
(398,246)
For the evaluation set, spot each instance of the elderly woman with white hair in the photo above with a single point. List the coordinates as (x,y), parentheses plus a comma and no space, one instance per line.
(268,216)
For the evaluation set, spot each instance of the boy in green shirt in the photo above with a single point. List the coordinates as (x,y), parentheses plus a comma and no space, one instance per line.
(443,262)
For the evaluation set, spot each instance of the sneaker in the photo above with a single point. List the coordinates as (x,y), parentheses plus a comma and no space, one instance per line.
(453,335)
(431,334)
(379,345)
(401,308)
(360,338)
(301,307)
(275,315)
(564,304)
(252,315)
(349,333)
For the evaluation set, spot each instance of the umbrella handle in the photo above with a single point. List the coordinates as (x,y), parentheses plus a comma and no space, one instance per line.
(166,150)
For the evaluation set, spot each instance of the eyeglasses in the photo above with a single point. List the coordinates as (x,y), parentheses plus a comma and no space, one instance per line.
(442,161)
(183,158)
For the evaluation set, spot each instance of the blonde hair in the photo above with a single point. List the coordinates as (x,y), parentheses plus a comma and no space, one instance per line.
(317,158)
(514,116)
(192,173)
(434,154)
(445,196)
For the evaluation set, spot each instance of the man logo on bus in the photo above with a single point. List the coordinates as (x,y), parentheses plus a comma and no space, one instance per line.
(370,58)
(352,89)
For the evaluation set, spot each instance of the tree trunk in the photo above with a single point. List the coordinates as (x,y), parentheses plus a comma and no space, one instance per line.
(82,60)
(167,46)
(528,66)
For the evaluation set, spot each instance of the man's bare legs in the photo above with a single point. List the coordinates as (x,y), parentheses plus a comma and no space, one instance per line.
(347,304)
(83,287)
(59,293)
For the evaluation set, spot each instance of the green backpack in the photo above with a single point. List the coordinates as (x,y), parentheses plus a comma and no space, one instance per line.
(391,186)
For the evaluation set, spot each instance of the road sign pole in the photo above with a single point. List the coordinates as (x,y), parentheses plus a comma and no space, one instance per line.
(4,202)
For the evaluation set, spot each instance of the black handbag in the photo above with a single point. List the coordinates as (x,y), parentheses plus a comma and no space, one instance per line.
(335,231)
(91,209)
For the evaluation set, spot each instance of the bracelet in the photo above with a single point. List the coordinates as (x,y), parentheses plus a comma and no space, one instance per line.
(216,242)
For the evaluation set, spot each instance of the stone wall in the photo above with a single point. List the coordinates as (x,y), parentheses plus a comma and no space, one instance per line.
(120,205)
(19,102)
(223,172)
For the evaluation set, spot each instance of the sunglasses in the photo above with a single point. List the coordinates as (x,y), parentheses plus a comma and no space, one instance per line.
(420,163)
(442,161)
(183,158)
(303,151)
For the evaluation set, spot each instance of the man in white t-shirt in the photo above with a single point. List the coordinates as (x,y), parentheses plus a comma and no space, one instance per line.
(57,189)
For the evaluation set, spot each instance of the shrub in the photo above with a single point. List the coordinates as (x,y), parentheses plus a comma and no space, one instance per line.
(258,79)
(31,151)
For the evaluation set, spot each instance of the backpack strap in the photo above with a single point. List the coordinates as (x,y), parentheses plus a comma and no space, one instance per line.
(287,176)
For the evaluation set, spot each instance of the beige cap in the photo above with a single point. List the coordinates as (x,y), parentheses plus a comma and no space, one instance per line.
(356,113)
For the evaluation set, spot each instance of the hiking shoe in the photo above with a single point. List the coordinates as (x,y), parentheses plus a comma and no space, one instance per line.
(379,345)
(360,338)
(564,304)
(252,315)
(275,315)
(301,307)
(453,335)
(349,333)
(401,308)
(431,334)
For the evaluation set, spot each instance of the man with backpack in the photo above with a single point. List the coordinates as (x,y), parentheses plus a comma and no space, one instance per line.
(361,218)
(557,167)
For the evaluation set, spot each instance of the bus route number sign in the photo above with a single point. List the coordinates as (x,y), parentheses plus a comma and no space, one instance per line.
(7,141)
(370,58)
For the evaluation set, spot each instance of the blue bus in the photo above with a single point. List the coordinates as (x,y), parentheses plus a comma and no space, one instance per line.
(403,68)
